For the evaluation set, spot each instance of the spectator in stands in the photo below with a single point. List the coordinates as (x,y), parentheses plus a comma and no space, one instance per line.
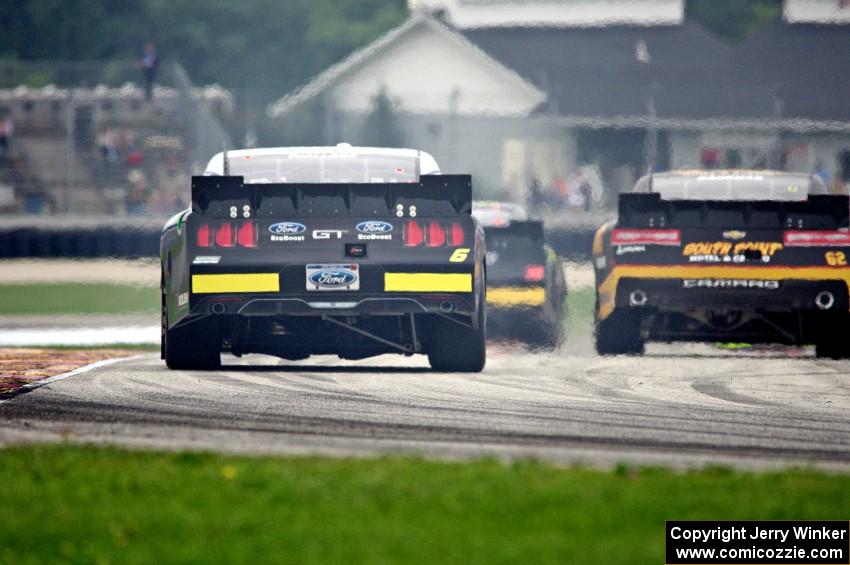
(106,144)
(535,195)
(149,63)
(7,128)
(139,195)
(822,172)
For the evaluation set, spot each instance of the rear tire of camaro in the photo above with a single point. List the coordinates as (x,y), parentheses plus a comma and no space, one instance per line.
(619,334)
(458,348)
(833,344)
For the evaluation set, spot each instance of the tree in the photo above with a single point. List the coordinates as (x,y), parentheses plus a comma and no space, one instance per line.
(733,20)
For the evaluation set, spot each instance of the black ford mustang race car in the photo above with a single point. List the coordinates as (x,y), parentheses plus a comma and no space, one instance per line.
(326,250)
(526,289)
(745,256)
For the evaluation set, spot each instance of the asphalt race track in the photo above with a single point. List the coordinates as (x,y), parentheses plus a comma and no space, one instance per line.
(680,405)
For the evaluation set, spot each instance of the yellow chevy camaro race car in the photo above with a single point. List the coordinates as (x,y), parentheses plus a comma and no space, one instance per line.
(720,256)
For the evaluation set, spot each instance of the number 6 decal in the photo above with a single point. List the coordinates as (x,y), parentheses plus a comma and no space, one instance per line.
(459,255)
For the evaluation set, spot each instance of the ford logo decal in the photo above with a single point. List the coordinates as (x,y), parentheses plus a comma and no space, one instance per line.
(374,226)
(287,228)
(333,279)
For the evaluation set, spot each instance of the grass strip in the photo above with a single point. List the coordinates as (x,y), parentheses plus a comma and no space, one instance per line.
(94,505)
(579,311)
(77,298)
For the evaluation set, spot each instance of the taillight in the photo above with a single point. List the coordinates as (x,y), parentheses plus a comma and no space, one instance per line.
(433,234)
(456,235)
(246,235)
(436,235)
(224,235)
(646,237)
(203,238)
(535,273)
(413,234)
(816,238)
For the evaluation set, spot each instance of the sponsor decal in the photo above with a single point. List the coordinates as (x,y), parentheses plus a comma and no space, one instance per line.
(731,283)
(734,234)
(206,260)
(183,299)
(328,234)
(287,231)
(817,238)
(729,252)
(623,249)
(333,277)
(374,230)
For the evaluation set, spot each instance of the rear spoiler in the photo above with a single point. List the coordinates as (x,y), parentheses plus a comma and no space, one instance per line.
(820,211)
(528,229)
(432,196)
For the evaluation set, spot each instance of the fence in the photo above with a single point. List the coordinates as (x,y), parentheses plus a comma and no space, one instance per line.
(90,143)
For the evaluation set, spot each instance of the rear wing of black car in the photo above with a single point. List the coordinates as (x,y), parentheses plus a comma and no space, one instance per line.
(433,196)
(532,230)
(818,212)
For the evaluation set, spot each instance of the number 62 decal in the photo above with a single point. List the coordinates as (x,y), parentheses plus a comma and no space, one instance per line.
(835,258)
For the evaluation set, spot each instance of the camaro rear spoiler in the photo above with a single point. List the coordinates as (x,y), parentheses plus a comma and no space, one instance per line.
(432,196)
(819,211)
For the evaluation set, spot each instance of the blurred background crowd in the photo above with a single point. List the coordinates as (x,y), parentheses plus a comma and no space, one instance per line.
(556,105)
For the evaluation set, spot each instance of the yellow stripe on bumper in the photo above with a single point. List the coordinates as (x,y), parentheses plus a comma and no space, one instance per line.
(516,296)
(249,282)
(427,282)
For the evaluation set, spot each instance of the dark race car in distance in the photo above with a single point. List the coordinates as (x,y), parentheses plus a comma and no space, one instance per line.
(526,289)
(340,250)
(725,256)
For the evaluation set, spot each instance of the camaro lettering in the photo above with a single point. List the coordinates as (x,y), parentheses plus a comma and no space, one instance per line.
(730,283)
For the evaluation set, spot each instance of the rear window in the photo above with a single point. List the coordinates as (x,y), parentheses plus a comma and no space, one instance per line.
(320,168)
(734,186)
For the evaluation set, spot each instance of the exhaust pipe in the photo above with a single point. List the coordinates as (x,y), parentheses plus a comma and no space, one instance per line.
(637,298)
(447,307)
(824,300)
(218,308)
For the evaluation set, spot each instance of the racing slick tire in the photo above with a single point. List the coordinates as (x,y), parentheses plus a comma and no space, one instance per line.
(833,342)
(458,348)
(619,334)
(188,348)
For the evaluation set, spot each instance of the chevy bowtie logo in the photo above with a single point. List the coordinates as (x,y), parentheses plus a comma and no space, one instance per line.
(734,234)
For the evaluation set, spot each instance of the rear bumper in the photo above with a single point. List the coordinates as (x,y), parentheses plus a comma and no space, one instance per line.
(335,304)
(747,295)
(374,290)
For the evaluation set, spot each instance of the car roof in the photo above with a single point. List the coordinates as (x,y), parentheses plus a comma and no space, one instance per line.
(498,214)
(811,182)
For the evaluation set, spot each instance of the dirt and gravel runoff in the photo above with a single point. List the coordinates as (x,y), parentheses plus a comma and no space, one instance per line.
(683,406)
(20,367)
